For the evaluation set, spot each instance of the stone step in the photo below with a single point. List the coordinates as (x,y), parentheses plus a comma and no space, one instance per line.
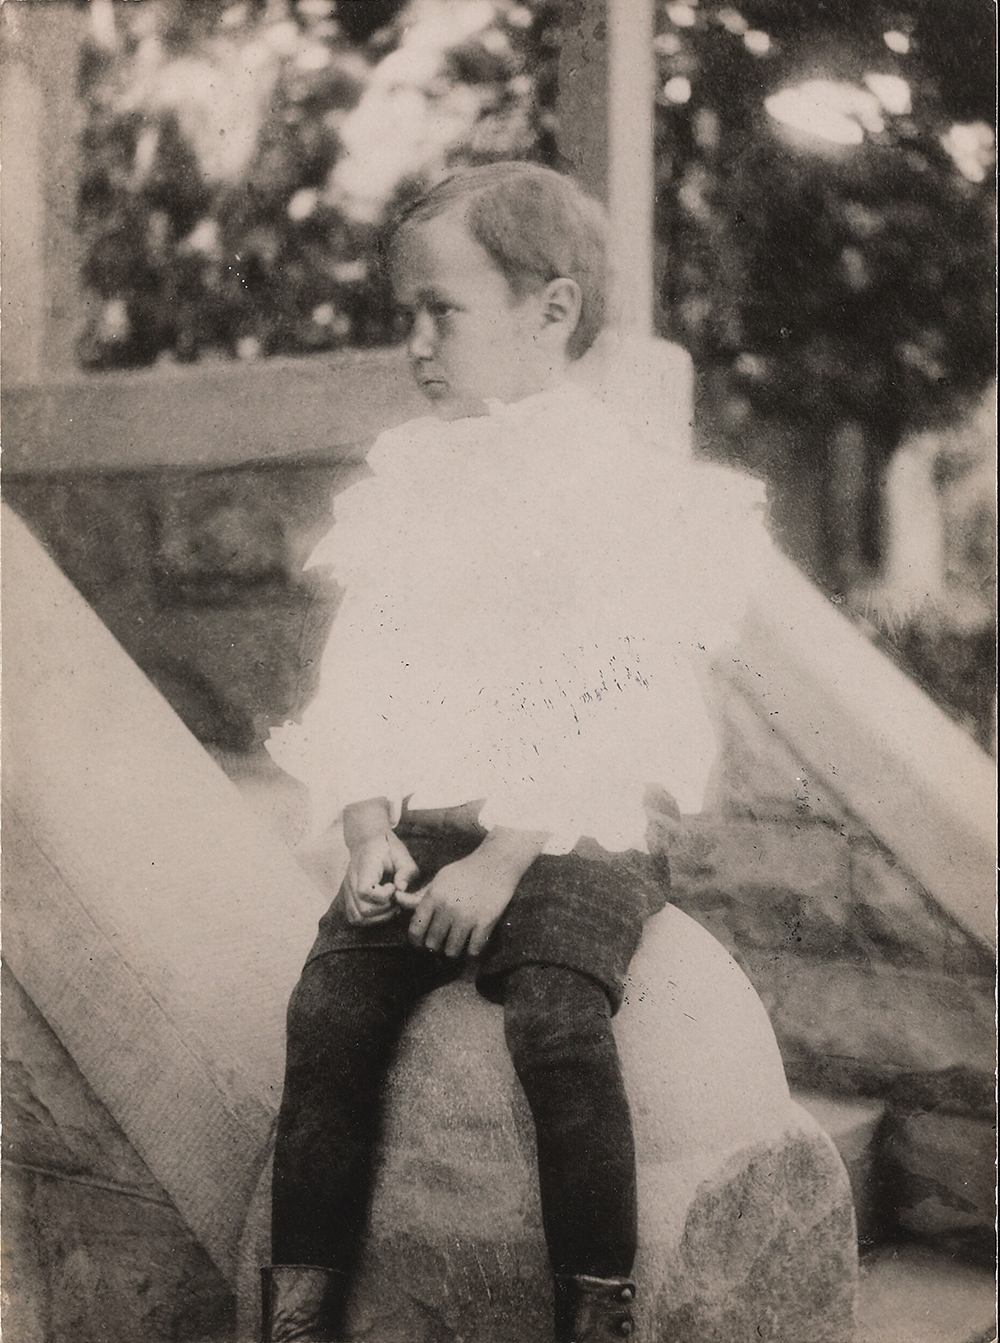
(940,1172)
(909,1294)
(856,1127)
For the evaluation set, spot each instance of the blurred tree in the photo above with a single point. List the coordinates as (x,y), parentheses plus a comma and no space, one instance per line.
(826,222)
(239,158)
(825,211)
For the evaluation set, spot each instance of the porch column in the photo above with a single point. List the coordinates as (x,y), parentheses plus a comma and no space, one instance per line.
(606,80)
(43,300)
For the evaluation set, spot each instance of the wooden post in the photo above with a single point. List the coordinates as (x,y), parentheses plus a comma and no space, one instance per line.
(583,94)
(606,78)
(43,302)
(606,89)
(630,159)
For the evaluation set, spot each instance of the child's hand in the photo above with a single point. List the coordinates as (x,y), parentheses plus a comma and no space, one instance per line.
(459,909)
(379,871)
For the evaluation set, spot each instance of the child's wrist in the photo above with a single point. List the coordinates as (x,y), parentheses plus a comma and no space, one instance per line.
(364,821)
(513,851)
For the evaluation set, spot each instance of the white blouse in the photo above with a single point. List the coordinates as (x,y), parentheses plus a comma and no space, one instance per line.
(529,595)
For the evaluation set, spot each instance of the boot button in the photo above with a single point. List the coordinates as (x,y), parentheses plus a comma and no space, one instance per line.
(626,1294)
(625,1328)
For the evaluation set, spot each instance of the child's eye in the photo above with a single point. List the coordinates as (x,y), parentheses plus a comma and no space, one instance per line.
(437,310)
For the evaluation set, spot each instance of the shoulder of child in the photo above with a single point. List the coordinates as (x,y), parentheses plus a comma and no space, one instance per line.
(408,434)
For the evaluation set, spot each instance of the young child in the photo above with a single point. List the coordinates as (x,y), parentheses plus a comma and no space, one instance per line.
(528,593)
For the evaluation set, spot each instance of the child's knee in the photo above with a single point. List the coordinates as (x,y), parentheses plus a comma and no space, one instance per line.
(317,1005)
(308,1000)
(553,1014)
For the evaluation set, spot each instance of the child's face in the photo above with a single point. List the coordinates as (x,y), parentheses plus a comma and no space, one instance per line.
(471,337)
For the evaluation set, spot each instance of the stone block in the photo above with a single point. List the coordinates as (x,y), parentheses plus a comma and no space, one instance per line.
(758,774)
(51,1119)
(746,1224)
(909,1294)
(230,671)
(857,1130)
(870,1029)
(94,1250)
(97,528)
(943,1181)
(91,1264)
(777,886)
(963,1088)
(894,919)
(802,886)
(199,576)
(213,539)
(218,533)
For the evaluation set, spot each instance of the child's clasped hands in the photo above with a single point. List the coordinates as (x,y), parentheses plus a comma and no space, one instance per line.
(456,911)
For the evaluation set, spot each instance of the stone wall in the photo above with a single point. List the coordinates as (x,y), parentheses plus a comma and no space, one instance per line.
(198,574)
(870,988)
(872,991)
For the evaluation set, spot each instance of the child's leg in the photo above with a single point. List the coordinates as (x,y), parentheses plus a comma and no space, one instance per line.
(344,1020)
(558,1028)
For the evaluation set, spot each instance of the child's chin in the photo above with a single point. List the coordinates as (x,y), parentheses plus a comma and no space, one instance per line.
(452,408)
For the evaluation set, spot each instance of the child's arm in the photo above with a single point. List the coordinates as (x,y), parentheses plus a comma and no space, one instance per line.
(459,909)
(376,854)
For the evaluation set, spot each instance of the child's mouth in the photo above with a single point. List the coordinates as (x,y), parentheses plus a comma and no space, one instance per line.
(433,387)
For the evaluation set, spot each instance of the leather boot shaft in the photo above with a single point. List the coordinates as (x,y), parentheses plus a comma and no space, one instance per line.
(593,1310)
(302,1304)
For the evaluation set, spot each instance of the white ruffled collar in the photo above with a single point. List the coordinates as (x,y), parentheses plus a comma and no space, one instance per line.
(535,405)
(556,414)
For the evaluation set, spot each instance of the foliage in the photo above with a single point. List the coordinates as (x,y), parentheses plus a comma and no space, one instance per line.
(948,643)
(825,213)
(239,158)
(830,280)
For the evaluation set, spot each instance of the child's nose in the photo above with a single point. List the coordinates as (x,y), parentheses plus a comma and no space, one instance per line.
(421,341)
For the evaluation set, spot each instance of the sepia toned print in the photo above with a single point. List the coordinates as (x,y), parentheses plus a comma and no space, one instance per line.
(500,716)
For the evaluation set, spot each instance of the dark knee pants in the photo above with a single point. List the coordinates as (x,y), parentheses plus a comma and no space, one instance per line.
(344,1022)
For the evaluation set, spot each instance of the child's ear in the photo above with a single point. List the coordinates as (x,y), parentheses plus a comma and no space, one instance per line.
(561,305)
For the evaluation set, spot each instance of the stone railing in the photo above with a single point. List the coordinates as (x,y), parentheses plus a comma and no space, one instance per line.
(868,736)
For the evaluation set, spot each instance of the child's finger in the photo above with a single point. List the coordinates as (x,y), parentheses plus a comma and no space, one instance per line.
(458,935)
(366,907)
(479,938)
(371,902)
(371,883)
(380,914)
(351,910)
(406,872)
(440,925)
(421,920)
(409,899)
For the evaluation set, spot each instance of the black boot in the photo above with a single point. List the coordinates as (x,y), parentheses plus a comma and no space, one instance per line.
(593,1310)
(302,1304)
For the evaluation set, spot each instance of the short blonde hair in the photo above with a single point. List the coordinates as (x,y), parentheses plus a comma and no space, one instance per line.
(536,225)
